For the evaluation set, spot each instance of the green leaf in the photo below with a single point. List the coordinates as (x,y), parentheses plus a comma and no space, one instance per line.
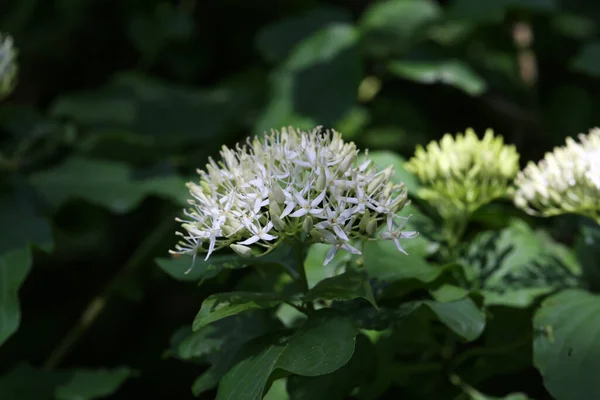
(383,159)
(494,11)
(313,263)
(86,384)
(476,11)
(384,262)
(318,82)
(350,285)
(131,102)
(339,384)
(14,267)
(394,24)
(105,183)
(321,346)
(516,265)
(275,41)
(587,60)
(223,305)
(278,391)
(463,317)
(574,26)
(27,383)
(21,223)
(566,347)
(201,270)
(449,72)
(226,334)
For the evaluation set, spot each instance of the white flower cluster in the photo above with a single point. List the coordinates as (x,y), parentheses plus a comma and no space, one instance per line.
(567,180)
(288,186)
(8,65)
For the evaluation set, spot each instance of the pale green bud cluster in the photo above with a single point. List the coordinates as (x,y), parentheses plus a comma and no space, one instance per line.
(460,174)
(567,180)
(290,185)
(8,66)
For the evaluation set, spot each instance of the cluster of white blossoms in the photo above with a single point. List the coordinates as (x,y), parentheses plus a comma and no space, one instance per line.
(8,65)
(567,180)
(289,186)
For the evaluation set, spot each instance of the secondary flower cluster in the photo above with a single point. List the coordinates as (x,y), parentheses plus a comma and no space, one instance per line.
(567,180)
(291,184)
(8,65)
(460,174)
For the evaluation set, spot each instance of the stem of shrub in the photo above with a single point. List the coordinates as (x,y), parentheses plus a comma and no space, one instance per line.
(97,305)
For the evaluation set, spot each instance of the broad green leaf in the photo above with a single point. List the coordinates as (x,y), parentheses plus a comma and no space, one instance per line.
(533,5)
(384,262)
(574,26)
(275,41)
(494,11)
(225,335)
(476,11)
(516,265)
(14,267)
(317,83)
(223,305)
(587,60)
(383,159)
(393,25)
(105,183)
(313,263)
(461,316)
(449,72)
(566,347)
(278,391)
(132,102)
(181,267)
(321,346)
(27,383)
(339,384)
(350,285)
(21,224)
(219,343)
(588,252)
(91,384)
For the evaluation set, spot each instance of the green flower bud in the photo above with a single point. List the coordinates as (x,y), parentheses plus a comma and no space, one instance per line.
(307,225)
(241,250)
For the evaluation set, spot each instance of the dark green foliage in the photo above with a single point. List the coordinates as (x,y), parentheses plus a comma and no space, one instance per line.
(119,102)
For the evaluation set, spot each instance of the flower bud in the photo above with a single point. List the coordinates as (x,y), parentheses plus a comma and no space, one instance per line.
(366,218)
(316,235)
(371,227)
(241,250)
(278,222)
(277,193)
(321,180)
(307,225)
(274,208)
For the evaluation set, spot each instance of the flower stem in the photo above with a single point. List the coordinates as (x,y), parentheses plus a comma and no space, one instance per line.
(299,255)
(299,259)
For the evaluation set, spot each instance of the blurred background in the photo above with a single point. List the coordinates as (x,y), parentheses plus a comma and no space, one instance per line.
(119,101)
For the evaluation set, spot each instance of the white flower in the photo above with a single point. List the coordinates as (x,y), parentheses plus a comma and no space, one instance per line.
(278,187)
(567,180)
